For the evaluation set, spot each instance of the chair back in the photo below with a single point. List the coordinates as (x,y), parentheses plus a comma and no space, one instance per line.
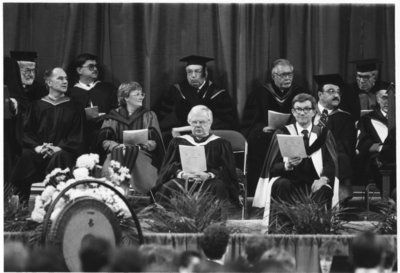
(238,142)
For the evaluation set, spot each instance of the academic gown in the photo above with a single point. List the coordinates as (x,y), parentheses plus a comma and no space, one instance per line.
(255,118)
(350,101)
(180,98)
(103,95)
(29,94)
(343,129)
(324,142)
(144,165)
(368,136)
(219,159)
(60,122)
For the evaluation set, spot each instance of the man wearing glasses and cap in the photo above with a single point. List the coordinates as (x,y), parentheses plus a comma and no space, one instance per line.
(342,126)
(362,95)
(98,97)
(376,142)
(196,89)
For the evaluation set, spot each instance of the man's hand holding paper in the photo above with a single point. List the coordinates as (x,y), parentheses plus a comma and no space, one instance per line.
(291,146)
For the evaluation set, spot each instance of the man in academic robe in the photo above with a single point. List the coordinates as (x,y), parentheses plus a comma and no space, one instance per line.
(342,126)
(372,144)
(361,94)
(315,174)
(32,89)
(196,89)
(89,92)
(12,92)
(219,177)
(276,95)
(53,135)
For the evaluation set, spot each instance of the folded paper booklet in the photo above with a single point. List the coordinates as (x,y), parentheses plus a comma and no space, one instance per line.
(364,112)
(92,112)
(193,158)
(291,146)
(277,119)
(133,137)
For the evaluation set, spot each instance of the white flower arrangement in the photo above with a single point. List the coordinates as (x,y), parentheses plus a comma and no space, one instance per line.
(59,179)
(118,174)
(87,161)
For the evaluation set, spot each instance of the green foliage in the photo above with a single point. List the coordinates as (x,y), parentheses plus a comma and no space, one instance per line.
(386,215)
(15,214)
(303,215)
(185,211)
(129,232)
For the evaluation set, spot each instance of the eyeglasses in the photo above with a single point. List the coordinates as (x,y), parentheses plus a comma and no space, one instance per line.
(198,122)
(27,71)
(91,67)
(139,95)
(364,77)
(285,75)
(333,92)
(305,110)
(196,72)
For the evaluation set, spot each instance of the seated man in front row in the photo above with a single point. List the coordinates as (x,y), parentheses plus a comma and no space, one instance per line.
(220,177)
(314,174)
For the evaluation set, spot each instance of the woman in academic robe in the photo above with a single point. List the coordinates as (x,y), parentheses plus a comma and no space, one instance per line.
(143,160)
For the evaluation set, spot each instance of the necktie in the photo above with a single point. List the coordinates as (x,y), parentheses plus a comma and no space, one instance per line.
(323,120)
(305,138)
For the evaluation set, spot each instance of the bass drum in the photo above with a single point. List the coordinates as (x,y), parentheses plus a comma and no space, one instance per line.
(78,219)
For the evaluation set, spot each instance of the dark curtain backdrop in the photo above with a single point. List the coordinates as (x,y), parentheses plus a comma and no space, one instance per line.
(143,42)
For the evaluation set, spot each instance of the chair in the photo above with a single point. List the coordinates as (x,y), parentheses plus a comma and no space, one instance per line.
(239,147)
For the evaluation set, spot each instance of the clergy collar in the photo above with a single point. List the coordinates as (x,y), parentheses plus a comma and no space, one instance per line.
(299,128)
(321,109)
(85,86)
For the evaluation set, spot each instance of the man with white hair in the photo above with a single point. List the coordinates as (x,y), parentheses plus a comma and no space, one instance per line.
(220,177)
(33,90)
(53,135)
(276,95)
(372,141)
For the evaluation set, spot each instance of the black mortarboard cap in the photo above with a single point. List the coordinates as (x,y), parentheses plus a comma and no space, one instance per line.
(195,59)
(29,56)
(366,65)
(335,79)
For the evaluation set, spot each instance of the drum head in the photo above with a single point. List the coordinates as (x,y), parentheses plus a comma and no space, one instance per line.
(78,219)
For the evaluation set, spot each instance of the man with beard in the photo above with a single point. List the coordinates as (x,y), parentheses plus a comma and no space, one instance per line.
(89,92)
(342,126)
(195,90)
(53,135)
(277,96)
(33,90)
